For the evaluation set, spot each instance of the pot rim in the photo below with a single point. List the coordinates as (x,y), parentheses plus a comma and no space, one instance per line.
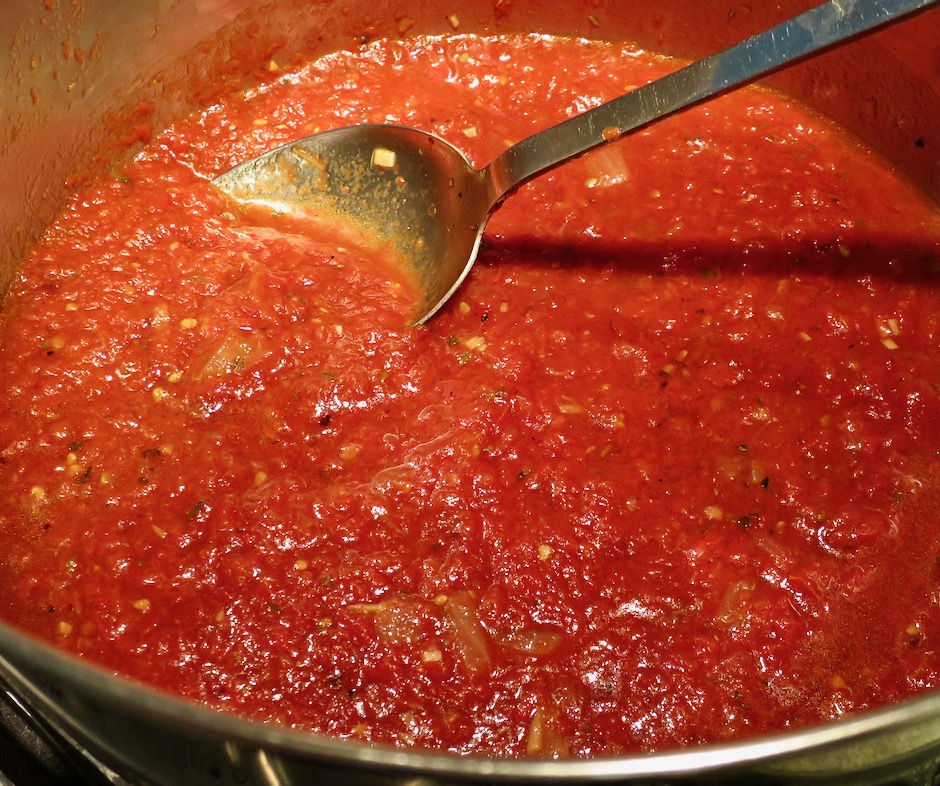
(141,699)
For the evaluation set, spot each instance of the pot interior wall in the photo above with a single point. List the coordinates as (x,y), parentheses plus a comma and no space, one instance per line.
(85,81)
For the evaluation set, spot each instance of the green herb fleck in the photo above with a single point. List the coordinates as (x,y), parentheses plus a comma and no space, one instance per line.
(195,510)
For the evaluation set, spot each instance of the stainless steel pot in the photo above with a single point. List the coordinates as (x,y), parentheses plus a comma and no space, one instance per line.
(78,78)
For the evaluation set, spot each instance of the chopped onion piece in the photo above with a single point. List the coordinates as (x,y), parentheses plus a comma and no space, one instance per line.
(229,354)
(606,167)
(533,642)
(466,633)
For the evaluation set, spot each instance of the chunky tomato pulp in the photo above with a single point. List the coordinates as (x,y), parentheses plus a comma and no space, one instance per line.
(665,472)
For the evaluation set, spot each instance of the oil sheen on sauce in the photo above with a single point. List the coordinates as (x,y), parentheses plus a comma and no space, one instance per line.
(665,472)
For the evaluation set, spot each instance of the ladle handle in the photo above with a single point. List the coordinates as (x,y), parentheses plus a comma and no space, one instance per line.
(812,31)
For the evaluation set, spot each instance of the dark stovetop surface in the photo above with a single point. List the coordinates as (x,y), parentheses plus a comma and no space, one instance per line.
(31,756)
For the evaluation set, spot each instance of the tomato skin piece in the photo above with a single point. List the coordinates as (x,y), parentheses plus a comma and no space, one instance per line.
(658,477)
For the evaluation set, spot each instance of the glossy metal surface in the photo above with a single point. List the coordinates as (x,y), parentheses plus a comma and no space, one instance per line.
(419,197)
(409,193)
(885,88)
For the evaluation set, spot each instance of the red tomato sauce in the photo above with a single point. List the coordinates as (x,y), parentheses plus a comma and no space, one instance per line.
(665,472)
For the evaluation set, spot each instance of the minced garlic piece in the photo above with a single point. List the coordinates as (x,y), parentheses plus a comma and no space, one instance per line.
(383,158)
(349,452)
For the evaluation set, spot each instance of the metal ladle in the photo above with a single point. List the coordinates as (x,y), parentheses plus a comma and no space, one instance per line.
(418,196)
